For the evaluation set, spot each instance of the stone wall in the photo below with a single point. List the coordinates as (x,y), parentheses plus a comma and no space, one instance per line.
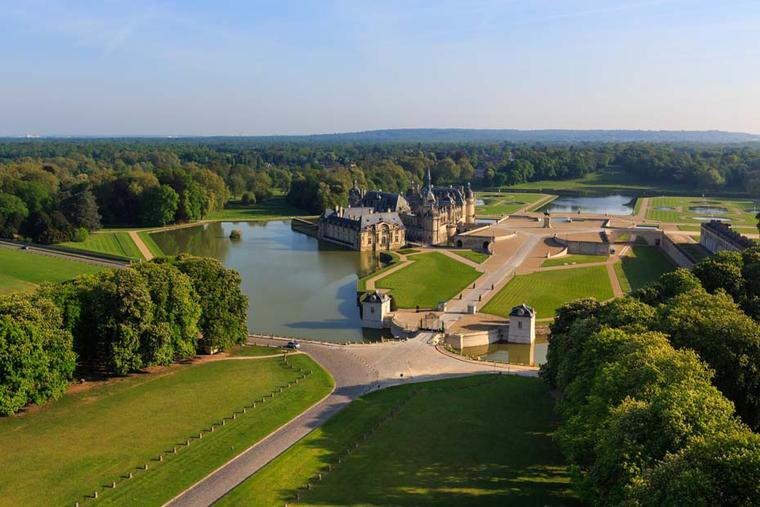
(676,255)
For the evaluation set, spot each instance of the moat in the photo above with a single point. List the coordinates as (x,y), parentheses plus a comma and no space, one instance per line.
(296,285)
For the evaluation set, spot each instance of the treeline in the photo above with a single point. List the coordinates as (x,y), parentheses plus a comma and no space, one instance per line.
(54,190)
(659,392)
(115,322)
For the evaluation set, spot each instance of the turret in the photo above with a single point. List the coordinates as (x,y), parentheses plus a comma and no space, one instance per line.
(469,205)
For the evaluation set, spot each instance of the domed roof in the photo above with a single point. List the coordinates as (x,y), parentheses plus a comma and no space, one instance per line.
(522,311)
(468,192)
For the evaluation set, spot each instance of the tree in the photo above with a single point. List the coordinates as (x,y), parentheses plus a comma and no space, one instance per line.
(723,469)
(80,208)
(176,311)
(158,206)
(36,357)
(13,212)
(224,307)
(722,271)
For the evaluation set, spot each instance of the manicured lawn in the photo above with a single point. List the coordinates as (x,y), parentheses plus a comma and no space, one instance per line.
(152,246)
(573,259)
(694,251)
(641,266)
(430,279)
(114,243)
(66,450)
(504,203)
(677,209)
(473,255)
(23,270)
(361,283)
(255,351)
(547,290)
(407,251)
(273,209)
(479,441)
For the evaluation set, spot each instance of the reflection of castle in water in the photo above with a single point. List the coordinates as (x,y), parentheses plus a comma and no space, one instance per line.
(512,353)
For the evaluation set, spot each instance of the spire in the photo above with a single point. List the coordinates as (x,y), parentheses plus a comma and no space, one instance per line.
(430,180)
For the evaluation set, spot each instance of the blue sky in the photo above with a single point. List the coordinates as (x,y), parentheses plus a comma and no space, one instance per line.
(223,67)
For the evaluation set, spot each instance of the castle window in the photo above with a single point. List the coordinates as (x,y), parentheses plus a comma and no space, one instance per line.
(519,325)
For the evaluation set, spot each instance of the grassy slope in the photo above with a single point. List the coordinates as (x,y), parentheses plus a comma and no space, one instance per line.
(641,266)
(255,351)
(431,278)
(474,256)
(274,208)
(504,203)
(739,210)
(71,447)
(468,441)
(23,270)
(573,259)
(547,290)
(150,243)
(114,243)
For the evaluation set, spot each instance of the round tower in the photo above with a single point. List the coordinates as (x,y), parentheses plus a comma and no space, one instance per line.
(469,205)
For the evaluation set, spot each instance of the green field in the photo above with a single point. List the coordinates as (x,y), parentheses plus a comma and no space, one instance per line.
(272,209)
(428,280)
(472,255)
(573,259)
(547,290)
(641,266)
(255,351)
(22,270)
(595,183)
(478,441)
(740,211)
(113,243)
(503,203)
(152,246)
(66,450)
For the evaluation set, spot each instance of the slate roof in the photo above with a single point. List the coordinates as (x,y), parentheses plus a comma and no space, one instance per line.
(361,218)
(725,231)
(522,311)
(384,201)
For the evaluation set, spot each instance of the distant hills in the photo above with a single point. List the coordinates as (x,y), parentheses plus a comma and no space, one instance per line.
(531,136)
(456,135)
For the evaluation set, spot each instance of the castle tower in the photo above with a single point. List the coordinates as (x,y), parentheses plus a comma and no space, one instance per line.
(522,325)
(469,205)
(375,307)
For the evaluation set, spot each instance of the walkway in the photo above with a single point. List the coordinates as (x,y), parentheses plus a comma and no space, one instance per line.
(144,250)
(357,369)
(643,208)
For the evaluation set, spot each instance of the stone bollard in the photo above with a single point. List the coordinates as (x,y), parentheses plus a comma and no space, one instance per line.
(113,485)
(130,475)
(244,410)
(160,458)
(234,416)
(145,466)
(254,405)
(95,494)
(200,435)
(224,422)
(187,442)
(174,450)
(212,427)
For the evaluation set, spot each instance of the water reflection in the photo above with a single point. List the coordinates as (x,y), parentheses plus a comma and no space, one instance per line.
(296,285)
(610,205)
(512,353)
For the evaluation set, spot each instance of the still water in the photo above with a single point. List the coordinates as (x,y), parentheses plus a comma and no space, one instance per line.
(610,205)
(296,286)
(512,353)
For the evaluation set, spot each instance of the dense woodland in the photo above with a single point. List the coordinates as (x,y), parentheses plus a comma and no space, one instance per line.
(116,322)
(59,190)
(660,391)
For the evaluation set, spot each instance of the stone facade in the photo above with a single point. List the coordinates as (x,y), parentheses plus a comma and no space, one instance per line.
(375,307)
(522,325)
(717,236)
(431,216)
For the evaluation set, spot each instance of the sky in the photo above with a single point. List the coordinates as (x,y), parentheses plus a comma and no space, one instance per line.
(186,67)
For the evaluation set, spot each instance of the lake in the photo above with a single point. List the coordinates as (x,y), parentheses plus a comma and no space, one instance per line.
(610,205)
(296,286)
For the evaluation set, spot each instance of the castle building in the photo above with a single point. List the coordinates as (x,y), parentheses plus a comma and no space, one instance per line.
(377,220)
(717,236)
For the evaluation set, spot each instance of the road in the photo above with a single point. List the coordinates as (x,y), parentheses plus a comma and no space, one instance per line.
(357,369)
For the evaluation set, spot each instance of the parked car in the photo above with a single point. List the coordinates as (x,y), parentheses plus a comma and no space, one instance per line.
(293,344)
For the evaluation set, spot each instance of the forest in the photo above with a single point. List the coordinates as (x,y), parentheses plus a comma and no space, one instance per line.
(55,190)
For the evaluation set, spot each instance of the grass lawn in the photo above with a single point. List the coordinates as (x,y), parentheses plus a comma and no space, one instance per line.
(473,255)
(22,270)
(152,246)
(641,266)
(573,259)
(407,251)
(361,283)
(479,441)
(429,279)
(547,290)
(272,209)
(694,251)
(67,449)
(676,209)
(255,351)
(603,182)
(504,203)
(114,243)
